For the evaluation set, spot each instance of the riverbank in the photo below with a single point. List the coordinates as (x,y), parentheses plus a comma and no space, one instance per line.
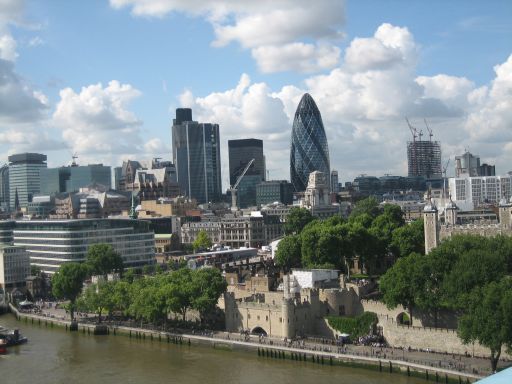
(315,353)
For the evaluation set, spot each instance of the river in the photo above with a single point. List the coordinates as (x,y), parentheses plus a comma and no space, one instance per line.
(57,356)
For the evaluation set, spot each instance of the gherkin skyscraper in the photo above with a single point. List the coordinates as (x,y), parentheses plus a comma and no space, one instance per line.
(309,151)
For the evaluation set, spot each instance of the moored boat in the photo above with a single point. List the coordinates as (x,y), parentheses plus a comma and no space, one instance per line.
(9,338)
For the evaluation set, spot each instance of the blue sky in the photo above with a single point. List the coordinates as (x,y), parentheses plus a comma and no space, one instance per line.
(103,78)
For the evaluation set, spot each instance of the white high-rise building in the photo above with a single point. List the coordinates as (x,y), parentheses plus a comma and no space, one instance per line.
(472,192)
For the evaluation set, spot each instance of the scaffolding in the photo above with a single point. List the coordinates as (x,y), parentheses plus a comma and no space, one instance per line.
(423,156)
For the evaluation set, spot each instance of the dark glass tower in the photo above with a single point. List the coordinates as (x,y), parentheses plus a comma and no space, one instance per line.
(240,153)
(309,151)
(196,155)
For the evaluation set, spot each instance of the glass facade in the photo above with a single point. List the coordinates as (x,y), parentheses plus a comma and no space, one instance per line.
(270,192)
(52,243)
(71,179)
(309,151)
(25,177)
(196,154)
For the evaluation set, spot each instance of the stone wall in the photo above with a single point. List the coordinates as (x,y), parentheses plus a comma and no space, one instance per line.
(435,339)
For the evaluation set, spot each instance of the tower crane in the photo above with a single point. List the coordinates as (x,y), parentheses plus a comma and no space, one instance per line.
(430,134)
(444,176)
(413,130)
(234,188)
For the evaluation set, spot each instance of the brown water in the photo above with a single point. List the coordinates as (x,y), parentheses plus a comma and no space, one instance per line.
(55,356)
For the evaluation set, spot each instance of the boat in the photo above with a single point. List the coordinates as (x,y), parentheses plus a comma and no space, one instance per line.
(10,338)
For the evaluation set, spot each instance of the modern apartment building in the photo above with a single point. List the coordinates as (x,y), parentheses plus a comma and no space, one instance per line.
(472,192)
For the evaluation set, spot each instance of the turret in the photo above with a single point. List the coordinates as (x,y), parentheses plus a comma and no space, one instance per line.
(431,225)
(505,213)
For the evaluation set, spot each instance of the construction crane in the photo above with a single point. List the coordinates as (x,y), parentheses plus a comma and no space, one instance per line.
(444,177)
(413,130)
(430,134)
(234,188)
(74,156)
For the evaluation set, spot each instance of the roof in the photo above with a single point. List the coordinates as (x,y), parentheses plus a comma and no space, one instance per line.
(502,377)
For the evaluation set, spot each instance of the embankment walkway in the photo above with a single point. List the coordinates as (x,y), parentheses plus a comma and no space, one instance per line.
(318,353)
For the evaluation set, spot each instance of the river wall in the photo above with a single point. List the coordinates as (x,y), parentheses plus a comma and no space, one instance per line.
(421,337)
(266,350)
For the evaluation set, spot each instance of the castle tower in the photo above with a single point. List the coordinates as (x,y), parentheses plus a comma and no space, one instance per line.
(431,225)
(287,310)
(505,213)
(450,213)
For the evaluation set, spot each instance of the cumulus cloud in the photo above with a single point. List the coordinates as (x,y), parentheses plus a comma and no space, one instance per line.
(299,57)
(491,118)
(363,103)
(274,30)
(19,103)
(249,110)
(96,121)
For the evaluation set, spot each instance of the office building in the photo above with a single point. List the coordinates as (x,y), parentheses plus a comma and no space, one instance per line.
(241,152)
(467,165)
(4,187)
(24,178)
(196,155)
(14,267)
(309,151)
(487,170)
(128,171)
(335,186)
(51,243)
(71,179)
(269,192)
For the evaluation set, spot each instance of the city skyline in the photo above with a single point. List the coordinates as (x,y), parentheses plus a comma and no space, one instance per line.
(104,79)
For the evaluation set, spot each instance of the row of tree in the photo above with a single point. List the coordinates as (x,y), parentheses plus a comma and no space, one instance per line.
(468,274)
(156,298)
(148,298)
(372,233)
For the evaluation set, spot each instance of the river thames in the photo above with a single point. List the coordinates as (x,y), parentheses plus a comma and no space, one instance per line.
(55,356)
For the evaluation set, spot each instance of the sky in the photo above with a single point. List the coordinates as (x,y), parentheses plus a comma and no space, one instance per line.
(102,79)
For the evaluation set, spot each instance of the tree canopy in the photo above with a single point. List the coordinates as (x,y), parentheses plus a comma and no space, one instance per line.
(488,318)
(202,241)
(67,283)
(296,220)
(103,259)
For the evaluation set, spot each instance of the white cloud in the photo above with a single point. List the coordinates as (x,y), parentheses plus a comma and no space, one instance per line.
(96,121)
(19,103)
(363,103)
(246,111)
(491,118)
(35,41)
(276,31)
(298,57)
(8,48)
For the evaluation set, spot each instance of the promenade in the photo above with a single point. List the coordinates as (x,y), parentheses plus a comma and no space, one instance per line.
(426,364)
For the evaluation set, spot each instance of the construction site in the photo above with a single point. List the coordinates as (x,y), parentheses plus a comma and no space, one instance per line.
(423,156)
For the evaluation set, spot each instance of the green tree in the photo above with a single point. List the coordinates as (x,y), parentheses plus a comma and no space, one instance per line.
(102,259)
(208,285)
(488,318)
(296,220)
(179,291)
(96,298)
(288,253)
(399,285)
(474,268)
(408,239)
(202,241)
(67,283)
(368,206)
